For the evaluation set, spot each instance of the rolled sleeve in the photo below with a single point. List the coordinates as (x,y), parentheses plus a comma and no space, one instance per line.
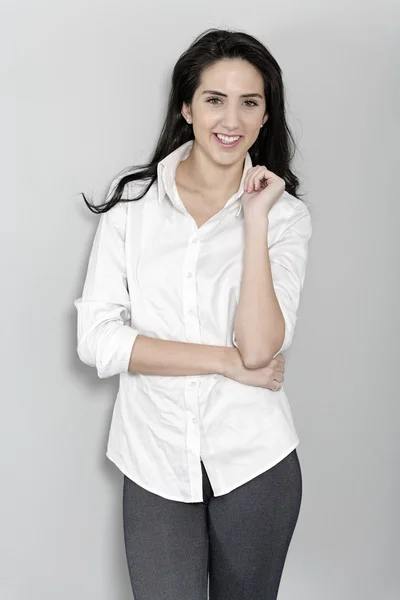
(288,260)
(105,337)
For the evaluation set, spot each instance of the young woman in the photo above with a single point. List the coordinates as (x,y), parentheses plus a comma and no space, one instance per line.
(191,296)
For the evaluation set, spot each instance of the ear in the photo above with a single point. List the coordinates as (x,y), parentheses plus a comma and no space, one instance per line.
(186,113)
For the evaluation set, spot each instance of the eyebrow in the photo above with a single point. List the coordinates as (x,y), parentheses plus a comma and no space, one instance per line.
(216,93)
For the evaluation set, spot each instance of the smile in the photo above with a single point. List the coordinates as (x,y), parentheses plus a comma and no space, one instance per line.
(227,141)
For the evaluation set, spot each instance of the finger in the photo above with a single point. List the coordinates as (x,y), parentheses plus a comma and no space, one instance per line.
(280,358)
(251,178)
(276,386)
(262,175)
(278,377)
(247,179)
(254,179)
(257,183)
(260,179)
(277,362)
(277,367)
(250,183)
(278,380)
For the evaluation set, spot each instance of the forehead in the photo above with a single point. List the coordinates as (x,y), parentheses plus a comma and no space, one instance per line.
(231,74)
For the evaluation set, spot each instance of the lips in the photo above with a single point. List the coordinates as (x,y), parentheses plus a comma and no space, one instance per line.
(223,145)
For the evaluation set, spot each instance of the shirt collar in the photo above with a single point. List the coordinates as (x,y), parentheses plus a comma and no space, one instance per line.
(167,166)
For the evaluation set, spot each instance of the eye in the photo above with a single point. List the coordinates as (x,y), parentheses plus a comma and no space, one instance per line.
(251,101)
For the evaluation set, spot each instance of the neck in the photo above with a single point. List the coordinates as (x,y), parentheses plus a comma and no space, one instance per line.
(208,177)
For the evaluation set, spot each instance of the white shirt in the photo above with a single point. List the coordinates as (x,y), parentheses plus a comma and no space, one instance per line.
(153,271)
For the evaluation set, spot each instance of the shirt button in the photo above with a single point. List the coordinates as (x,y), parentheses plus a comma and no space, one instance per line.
(190,312)
(192,383)
(190,274)
(194,420)
(194,240)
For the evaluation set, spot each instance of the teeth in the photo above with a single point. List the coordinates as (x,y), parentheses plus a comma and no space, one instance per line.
(228,140)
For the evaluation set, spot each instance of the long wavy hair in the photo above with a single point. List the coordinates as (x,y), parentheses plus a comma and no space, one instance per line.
(274,146)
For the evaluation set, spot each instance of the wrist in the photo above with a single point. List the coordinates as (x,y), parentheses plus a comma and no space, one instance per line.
(228,358)
(256,222)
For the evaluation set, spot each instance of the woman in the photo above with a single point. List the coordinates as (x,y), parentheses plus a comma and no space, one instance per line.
(191,295)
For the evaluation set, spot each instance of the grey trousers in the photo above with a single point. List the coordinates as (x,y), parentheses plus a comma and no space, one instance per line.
(232,547)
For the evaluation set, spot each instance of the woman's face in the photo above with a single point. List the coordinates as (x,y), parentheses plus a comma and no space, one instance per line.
(238,109)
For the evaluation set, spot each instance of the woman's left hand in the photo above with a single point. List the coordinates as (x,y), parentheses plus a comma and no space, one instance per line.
(262,188)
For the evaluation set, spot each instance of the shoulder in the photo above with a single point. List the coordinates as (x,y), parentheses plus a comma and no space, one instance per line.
(131,190)
(288,210)
(289,207)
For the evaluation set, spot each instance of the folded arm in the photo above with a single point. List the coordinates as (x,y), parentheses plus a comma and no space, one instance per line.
(271,284)
(105,338)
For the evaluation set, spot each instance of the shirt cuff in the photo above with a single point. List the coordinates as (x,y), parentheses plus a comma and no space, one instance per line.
(117,352)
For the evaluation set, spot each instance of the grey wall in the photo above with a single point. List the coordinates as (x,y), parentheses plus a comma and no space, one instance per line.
(83,91)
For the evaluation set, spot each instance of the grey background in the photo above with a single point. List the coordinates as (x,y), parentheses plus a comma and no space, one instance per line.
(83,94)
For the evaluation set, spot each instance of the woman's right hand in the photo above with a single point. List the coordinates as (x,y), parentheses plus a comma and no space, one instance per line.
(266,377)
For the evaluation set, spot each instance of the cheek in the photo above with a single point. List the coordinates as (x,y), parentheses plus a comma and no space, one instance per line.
(254,121)
(253,128)
(207,120)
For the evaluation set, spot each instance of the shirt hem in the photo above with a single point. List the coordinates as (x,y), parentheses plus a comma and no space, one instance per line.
(121,466)
(263,470)
(125,471)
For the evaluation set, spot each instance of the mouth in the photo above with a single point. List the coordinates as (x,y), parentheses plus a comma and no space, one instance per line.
(227,144)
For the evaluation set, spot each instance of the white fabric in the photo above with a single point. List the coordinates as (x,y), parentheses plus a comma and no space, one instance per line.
(153,271)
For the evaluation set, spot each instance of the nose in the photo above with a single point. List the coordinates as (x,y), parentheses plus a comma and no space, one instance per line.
(230,119)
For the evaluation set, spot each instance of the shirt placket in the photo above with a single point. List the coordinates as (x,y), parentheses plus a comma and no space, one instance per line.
(192,328)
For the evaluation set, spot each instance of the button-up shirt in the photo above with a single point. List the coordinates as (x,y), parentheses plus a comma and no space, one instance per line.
(153,271)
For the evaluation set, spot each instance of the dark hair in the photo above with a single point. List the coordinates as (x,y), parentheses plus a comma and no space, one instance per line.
(274,146)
